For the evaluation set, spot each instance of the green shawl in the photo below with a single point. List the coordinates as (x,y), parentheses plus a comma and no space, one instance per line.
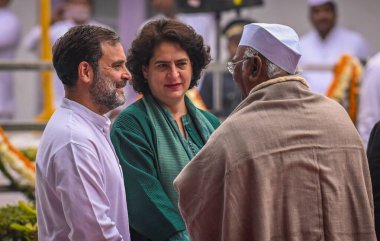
(173,150)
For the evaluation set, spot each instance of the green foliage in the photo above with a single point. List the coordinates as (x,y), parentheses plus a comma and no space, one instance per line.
(27,190)
(18,222)
(30,153)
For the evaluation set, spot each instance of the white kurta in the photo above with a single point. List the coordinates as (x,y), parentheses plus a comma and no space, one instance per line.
(10,29)
(316,51)
(369,104)
(80,191)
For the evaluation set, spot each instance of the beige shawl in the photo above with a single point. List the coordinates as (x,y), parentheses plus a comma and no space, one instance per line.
(287,165)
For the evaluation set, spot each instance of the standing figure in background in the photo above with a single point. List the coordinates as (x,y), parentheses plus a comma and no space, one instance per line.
(80,192)
(230,92)
(156,136)
(10,29)
(369,103)
(274,170)
(327,43)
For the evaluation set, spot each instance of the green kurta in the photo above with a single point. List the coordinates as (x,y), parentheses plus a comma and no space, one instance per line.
(152,201)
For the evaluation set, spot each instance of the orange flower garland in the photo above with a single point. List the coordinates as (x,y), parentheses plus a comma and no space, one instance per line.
(345,85)
(11,156)
(196,98)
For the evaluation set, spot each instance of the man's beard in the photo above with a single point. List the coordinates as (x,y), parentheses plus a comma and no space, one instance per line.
(105,93)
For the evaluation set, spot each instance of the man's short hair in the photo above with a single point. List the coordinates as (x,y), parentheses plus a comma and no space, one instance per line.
(80,43)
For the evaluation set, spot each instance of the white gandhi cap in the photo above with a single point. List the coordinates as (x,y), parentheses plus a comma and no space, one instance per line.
(318,2)
(276,42)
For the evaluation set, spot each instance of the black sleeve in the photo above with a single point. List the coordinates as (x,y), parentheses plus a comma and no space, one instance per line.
(373,154)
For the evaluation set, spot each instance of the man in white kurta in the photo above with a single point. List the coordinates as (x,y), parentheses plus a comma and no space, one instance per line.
(369,103)
(80,192)
(79,178)
(10,29)
(327,43)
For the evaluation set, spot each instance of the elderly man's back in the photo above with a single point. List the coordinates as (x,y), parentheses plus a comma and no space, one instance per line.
(288,164)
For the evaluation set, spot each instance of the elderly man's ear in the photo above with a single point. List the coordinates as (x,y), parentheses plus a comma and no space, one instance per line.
(255,64)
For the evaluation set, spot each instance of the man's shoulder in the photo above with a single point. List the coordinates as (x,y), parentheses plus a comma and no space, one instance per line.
(68,125)
(309,36)
(350,34)
(374,62)
(9,15)
(11,21)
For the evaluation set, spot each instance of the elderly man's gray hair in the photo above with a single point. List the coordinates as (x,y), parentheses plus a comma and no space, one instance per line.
(272,68)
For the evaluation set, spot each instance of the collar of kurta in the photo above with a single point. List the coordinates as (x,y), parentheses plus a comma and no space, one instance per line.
(280,80)
(100,120)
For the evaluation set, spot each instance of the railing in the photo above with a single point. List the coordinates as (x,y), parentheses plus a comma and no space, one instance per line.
(25,65)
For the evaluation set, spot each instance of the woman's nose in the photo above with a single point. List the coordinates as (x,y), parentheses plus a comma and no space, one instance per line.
(173,71)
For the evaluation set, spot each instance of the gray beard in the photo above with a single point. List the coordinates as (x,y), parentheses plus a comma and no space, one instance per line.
(104,92)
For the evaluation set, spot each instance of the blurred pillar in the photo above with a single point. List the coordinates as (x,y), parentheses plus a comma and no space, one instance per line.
(132,13)
(46,55)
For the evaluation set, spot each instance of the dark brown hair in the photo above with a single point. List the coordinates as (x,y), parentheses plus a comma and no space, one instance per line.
(80,43)
(166,30)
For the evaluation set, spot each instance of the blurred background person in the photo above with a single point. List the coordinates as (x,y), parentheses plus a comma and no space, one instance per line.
(230,92)
(373,155)
(156,136)
(10,36)
(326,43)
(369,102)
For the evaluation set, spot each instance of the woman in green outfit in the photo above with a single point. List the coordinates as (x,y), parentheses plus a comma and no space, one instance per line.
(158,135)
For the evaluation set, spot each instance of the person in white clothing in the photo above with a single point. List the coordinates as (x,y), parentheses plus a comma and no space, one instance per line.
(10,29)
(80,192)
(326,43)
(369,103)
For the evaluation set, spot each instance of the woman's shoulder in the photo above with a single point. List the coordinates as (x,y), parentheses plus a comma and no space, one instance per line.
(132,115)
(215,122)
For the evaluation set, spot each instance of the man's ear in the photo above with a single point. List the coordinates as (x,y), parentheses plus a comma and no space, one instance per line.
(255,64)
(85,72)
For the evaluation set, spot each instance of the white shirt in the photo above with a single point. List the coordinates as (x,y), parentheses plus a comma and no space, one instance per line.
(369,103)
(10,29)
(327,52)
(80,191)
